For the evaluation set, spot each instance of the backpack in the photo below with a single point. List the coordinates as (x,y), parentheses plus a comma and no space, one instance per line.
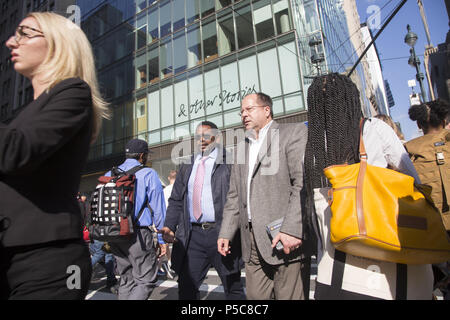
(112,208)
(430,155)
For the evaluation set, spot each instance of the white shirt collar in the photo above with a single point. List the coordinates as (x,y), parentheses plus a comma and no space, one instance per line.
(212,155)
(262,133)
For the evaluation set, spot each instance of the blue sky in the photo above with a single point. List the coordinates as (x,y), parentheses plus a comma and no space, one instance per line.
(394,53)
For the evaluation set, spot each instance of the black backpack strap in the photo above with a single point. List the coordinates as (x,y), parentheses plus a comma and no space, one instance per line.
(135,169)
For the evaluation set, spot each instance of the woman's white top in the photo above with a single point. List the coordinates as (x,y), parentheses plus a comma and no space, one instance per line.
(366,276)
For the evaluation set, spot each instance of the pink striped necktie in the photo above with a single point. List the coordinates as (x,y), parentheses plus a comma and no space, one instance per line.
(198,187)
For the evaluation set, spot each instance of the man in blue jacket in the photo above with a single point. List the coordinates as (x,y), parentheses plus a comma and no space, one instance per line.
(195,214)
(137,260)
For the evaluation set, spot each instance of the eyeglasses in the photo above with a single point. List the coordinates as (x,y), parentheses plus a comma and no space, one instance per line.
(21,32)
(205,136)
(248,110)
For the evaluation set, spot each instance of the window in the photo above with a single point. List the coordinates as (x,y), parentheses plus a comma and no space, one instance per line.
(153,110)
(181,100)
(141,33)
(290,76)
(193,11)
(167,107)
(153,65)
(208,7)
(209,40)
(282,20)
(153,30)
(262,12)
(269,73)
(140,5)
(212,90)
(178,14)
(165,55)
(141,71)
(230,87)
(244,26)
(165,16)
(248,71)
(194,45)
(226,41)
(196,95)
(222,4)
(179,51)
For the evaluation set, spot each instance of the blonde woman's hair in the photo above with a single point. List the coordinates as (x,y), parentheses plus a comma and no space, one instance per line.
(392,124)
(70,55)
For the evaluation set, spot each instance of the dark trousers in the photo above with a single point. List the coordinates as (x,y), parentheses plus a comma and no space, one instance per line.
(137,265)
(59,270)
(201,254)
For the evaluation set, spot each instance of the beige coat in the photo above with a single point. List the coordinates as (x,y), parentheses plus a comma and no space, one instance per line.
(275,193)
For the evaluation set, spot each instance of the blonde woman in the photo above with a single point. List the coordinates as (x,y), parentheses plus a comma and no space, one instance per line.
(42,153)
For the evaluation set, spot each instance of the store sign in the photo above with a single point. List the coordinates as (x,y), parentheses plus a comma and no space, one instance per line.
(223,98)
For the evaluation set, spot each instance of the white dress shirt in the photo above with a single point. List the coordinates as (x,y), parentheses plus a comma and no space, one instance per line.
(254,147)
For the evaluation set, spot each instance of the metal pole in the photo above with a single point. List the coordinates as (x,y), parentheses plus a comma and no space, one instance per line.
(419,75)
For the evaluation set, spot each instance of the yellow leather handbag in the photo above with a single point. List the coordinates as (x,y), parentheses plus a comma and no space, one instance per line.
(380,214)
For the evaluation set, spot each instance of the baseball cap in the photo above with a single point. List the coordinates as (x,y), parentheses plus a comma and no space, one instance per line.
(136,146)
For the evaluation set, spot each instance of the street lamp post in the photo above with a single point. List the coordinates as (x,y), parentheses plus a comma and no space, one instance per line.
(410,40)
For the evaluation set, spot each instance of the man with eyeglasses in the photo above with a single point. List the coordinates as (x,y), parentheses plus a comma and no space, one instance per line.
(265,191)
(195,213)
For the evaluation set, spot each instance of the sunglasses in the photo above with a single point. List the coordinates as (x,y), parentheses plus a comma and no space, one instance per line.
(22,32)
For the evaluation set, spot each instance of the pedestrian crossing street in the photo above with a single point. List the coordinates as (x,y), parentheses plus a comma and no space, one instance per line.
(166,289)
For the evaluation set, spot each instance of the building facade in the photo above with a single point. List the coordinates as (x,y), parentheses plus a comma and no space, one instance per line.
(196,60)
(439,66)
(379,97)
(164,66)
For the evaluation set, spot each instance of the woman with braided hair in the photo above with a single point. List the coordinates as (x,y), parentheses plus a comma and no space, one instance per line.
(334,115)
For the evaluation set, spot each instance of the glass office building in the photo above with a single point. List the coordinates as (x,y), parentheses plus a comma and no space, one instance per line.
(167,65)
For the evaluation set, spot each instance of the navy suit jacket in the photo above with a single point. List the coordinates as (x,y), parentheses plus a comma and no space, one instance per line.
(178,218)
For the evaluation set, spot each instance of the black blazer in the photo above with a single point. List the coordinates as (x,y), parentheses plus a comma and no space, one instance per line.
(42,153)
(178,218)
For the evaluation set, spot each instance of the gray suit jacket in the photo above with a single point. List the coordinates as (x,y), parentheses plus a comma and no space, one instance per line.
(275,192)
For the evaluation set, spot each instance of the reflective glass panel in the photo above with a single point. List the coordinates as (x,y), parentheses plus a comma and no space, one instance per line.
(193,11)
(194,46)
(262,13)
(179,51)
(153,30)
(244,26)
(165,16)
(225,33)
(165,55)
(167,106)
(178,14)
(209,40)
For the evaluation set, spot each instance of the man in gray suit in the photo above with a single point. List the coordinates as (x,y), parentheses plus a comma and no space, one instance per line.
(262,190)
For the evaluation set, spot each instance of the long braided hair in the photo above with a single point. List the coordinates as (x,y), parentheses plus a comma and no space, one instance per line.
(334,113)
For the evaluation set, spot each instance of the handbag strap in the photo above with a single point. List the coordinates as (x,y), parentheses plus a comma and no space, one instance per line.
(360,180)
(362,148)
